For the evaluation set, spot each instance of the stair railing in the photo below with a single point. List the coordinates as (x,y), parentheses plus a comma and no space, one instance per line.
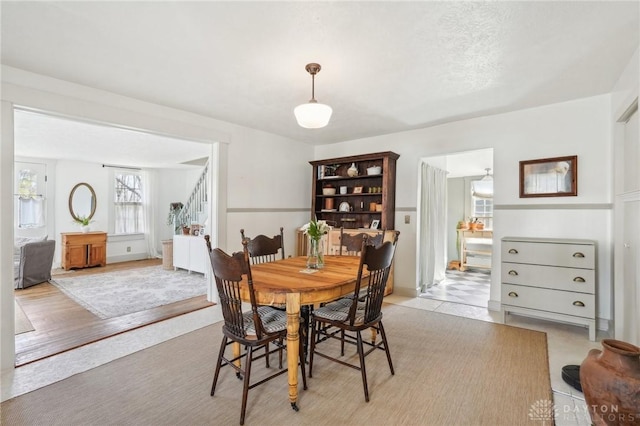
(197,200)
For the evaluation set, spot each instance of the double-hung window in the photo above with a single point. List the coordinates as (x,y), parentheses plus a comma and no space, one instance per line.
(128,203)
(482,201)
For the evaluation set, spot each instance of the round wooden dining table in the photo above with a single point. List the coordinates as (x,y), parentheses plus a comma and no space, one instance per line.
(289,282)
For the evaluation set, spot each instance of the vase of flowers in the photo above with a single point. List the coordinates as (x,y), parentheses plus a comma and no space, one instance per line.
(315,230)
(84,223)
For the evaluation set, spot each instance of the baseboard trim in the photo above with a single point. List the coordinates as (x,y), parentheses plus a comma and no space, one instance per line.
(494,305)
(127,257)
(405,292)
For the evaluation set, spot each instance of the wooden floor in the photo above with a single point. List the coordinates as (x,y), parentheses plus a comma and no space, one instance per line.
(61,324)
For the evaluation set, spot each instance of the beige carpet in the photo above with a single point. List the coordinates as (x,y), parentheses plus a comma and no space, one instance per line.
(449,371)
(22,323)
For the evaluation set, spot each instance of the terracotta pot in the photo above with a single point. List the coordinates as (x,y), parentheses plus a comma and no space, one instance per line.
(610,380)
(473,226)
(185,230)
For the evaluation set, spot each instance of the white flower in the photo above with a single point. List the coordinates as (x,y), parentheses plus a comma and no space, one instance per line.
(316,229)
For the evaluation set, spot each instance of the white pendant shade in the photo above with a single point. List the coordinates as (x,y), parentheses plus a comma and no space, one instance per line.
(313,115)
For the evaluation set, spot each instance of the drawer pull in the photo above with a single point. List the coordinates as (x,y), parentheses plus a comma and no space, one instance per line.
(512,272)
(578,303)
(513,251)
(578,254)
(578,280)
(513,294)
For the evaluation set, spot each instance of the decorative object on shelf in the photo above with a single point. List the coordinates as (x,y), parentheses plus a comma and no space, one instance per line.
(344,207)
(610,380)
(315,230)
(84,222)
(549,177)
(328,189)
(313,115)
(343,190)
(353,170)
(328,203)
(186,230)
(375,170)
(374,224)
(357,190)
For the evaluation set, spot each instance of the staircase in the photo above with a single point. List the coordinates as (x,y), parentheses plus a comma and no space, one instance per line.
(196,208)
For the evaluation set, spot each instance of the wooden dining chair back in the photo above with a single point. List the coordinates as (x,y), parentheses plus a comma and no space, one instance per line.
(264,249)
(351,244)
(207,241)
(346,319)
(253,330)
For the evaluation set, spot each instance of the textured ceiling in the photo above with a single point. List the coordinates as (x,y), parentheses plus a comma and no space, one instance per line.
(386,66)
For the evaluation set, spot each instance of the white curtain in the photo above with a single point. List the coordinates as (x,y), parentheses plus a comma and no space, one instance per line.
(148,179)
(31,212)
(432,238)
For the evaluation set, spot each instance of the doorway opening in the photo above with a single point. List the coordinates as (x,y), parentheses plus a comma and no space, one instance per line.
(75,150)
(469,229)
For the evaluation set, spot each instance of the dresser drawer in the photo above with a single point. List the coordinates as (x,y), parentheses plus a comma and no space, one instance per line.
(543,299)
(553,254)
(552,277)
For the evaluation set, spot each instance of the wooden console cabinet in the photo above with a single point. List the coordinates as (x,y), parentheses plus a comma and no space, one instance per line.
(83,250)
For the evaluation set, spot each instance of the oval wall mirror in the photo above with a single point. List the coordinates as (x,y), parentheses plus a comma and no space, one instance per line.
(82,201)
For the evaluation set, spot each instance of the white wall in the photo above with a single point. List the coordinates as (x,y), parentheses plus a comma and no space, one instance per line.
(579,127)
(269,186)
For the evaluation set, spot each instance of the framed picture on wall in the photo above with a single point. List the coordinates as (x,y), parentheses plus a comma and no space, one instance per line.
(374,224)
(549,177)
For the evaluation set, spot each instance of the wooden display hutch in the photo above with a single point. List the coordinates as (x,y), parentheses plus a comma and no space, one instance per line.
(368,197)
(83,250)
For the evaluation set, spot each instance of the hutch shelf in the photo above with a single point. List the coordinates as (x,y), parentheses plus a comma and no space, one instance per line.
(362,193)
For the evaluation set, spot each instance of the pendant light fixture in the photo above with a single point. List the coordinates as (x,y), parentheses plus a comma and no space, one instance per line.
(313,115)
(488,176)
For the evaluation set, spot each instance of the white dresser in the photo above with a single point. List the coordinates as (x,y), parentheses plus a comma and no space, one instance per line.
(550,278)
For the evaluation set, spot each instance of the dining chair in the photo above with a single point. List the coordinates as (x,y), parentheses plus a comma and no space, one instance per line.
(345,319)
(265,249)
(350,244)
(252,330)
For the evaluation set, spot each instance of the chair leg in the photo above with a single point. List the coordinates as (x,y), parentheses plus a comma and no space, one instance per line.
(301,357)
(312,349)
(342,342)
(363,369)
(223,346)
(386,346)
(305,312)
(245,388)
(266,348)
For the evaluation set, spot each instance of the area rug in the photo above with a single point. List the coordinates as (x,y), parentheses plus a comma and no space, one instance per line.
(448,371)
(118,293)
(22,323)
